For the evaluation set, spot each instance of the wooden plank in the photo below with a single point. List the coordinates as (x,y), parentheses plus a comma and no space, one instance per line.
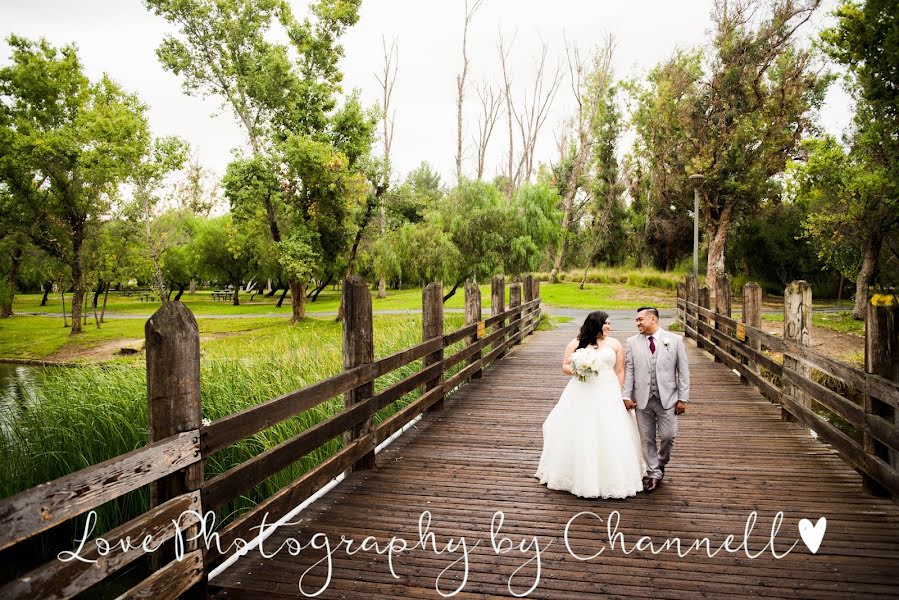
(58,579)
(829,399)
(286,499)
(402,358)
(461,376)
(463,354)
(49,504)
(883,431)
(398,419)
(231,429)
(403,387)
(225,487)
(848,448)
(460,334)
(170,582)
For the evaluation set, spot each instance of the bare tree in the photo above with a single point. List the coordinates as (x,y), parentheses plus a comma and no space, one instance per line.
(387,79)
(529,118)
(590,76)
(507,93)
(460,84)
(491,106)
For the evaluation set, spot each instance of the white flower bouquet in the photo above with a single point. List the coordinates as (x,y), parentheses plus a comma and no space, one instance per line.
(585,362)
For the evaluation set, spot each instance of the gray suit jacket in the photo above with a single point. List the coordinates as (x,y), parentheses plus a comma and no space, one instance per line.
(672,370)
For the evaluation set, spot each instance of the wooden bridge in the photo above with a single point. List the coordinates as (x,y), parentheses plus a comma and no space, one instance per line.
(740,480)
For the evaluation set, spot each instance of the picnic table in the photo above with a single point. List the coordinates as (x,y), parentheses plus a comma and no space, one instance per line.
(223,295)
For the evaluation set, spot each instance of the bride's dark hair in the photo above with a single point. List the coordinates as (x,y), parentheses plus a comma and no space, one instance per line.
(591,330)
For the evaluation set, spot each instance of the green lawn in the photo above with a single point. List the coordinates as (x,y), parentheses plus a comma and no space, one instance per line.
(841,322)
(604,296)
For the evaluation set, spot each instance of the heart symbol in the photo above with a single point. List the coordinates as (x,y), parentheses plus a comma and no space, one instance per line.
(812,534)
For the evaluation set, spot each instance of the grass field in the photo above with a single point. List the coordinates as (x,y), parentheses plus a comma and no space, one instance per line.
(841,322)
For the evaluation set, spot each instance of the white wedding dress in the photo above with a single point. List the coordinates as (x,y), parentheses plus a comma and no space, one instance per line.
(591,444)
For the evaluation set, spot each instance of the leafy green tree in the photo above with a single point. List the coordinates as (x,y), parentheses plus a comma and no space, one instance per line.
(226,253)
(67,145)
(855,209)
(866,195)
(275,90)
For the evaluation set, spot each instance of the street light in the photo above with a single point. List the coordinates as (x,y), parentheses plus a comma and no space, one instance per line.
(697,181)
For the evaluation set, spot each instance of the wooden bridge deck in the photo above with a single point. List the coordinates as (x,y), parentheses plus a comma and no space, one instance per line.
(733,455)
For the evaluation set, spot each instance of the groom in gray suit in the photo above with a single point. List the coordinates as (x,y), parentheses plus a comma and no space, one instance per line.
(657,384)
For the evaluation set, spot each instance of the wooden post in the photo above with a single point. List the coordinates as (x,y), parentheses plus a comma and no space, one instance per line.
(722,306)
(536,294)
(431,327)
(472,316)
(528,292)
(704,301)
(681,295)
(358,350)
(881,358)
(692,296)
(515,302)
(497,306)
(797,324)
(173,406)
(752,316)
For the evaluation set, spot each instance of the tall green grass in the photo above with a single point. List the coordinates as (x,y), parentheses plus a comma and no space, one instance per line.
(83,416)
(645,278)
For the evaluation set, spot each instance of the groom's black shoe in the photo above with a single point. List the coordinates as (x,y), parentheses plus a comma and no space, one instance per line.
(653,485)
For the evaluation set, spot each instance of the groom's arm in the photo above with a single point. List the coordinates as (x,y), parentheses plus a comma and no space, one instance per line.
(683,372)
(627,393)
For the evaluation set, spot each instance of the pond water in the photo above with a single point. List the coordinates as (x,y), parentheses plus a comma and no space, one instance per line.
(17,388)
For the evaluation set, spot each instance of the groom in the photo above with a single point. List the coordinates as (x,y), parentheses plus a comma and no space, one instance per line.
(657,384)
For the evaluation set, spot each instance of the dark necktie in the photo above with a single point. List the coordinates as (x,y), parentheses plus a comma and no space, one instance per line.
(652,345)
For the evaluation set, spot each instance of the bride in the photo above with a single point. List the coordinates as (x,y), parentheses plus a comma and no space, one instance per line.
(591,444)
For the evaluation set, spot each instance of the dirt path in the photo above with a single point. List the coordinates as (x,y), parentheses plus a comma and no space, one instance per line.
(113,349)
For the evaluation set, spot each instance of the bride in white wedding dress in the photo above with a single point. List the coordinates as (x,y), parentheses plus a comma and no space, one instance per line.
(591,444)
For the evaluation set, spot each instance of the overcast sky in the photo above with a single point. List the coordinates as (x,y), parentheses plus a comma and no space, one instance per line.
(120,38)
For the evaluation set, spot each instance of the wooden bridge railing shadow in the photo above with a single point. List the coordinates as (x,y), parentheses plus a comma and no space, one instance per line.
(859,416)
(172,462)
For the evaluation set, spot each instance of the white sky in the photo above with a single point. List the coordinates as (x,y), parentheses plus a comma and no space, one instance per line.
(120,38)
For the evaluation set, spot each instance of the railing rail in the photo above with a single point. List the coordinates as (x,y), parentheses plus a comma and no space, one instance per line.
(744,347)
(173,466)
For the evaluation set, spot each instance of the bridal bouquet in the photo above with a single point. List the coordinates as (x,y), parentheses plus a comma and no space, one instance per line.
(585,362)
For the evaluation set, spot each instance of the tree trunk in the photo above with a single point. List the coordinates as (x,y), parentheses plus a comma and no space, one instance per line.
(6,309)
(840,289)
(236,297)
(452,292)
(318,290)
(298,300)
(77,283)
(105,298)
(180,293)
(65,322)
(47,287)
(281,299)
(866,276)
(717,233)
(382,288)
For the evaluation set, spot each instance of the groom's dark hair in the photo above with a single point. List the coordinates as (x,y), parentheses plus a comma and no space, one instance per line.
(651,309)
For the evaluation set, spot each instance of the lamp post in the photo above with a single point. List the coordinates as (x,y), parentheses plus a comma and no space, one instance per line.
(697,181)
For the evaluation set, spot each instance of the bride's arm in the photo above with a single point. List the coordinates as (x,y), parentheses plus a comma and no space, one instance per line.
(619,363)
(566,364)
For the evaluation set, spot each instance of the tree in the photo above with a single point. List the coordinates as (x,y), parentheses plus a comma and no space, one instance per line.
(866,40)
(855,209)
(460,84)
(226,253)
(67,145)
(167,154)
(224,48)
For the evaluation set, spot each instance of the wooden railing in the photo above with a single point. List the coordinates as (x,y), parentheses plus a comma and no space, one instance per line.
(803,397)
(173,465)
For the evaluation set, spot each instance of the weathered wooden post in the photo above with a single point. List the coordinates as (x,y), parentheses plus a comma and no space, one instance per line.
(797,326)
(537,310)
(358,350)
(515,302)
(752,316)
(680,311)
(723,306)
(702,336)
(692,296)
(881,358)
(173,406)
(472,316)
(528,291)
(432,327)
(497,306)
